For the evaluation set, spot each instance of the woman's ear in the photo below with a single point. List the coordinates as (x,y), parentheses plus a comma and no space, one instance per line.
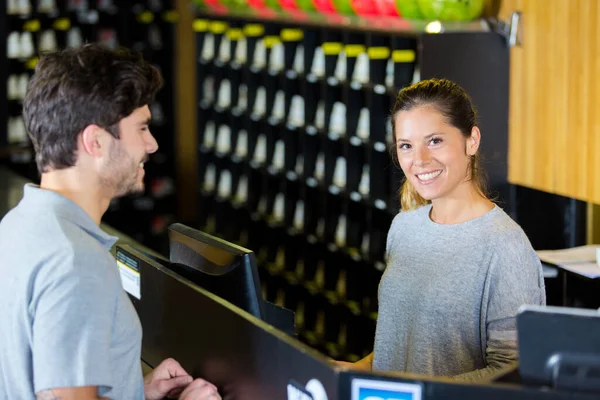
(473,141)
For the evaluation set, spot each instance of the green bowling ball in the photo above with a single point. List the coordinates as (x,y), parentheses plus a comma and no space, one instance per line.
(305,5)
(273,4)
(234,4)
(451,10)
(343,7)
(409,9)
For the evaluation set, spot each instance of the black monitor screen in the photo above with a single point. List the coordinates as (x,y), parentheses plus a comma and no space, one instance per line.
(223,268)
(559,347)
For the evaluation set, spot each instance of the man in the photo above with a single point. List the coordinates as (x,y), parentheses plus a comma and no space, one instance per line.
(67,328)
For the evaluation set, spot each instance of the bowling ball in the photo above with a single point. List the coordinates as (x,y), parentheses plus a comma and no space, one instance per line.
(305,5)
(343,7)
(259,4)
(364,7)
(386,8)
(409,9)
(273,4)
(324,6)
(451,10)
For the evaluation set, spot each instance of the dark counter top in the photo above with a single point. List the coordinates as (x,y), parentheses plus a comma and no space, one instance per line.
(11,192)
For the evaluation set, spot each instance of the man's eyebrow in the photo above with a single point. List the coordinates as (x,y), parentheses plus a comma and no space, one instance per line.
(146,121)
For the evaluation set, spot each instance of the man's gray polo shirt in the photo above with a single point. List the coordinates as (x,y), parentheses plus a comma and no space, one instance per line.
(65,320)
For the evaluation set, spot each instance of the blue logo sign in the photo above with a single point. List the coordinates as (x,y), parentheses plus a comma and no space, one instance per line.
(369,389)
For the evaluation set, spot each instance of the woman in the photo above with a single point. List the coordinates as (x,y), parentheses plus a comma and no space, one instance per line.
(458,267)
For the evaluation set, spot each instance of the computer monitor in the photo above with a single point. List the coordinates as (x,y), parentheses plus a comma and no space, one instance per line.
(559,347)
(226,270)
(222,268)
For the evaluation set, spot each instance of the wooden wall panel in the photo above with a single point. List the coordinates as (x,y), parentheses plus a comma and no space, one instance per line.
(186,112)
(554,130)
(594,109)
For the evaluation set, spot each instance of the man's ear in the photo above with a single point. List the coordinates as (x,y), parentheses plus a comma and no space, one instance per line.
(93,141)
(473,141)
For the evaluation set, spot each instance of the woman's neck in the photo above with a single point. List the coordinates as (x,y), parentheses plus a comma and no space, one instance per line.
(461,206)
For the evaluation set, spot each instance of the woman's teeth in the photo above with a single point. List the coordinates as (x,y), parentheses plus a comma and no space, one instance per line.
(429,176)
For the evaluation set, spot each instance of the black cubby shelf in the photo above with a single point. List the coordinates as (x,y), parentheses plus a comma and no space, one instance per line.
(294,149)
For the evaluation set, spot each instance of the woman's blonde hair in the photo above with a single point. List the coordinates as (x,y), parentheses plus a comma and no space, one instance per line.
(454,103)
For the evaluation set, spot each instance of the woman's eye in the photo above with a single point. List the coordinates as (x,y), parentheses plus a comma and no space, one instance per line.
(436,141)
(404,146)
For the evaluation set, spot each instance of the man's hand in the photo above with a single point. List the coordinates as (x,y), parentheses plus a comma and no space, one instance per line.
(167,380)
(200,390)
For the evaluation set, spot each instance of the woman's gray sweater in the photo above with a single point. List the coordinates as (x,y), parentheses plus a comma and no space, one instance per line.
(450,293)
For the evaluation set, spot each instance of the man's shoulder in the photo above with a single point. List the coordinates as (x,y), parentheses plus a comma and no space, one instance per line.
(25,232)
(33,237)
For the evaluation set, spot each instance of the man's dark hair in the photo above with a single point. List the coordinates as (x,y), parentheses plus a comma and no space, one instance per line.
(74,88)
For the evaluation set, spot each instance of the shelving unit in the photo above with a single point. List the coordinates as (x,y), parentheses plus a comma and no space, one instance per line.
(311,188)
(31,28)
(146,26)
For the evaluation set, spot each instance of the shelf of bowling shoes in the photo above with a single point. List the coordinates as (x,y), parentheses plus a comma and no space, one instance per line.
(356,197)
(311,320)
(280,124)
(310,77)
(254,215)
(59,20)
(312,294)
(310,181)
(316,290)
(268,72)
(310,129)
(234,65)
(353,23)
(353,253)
